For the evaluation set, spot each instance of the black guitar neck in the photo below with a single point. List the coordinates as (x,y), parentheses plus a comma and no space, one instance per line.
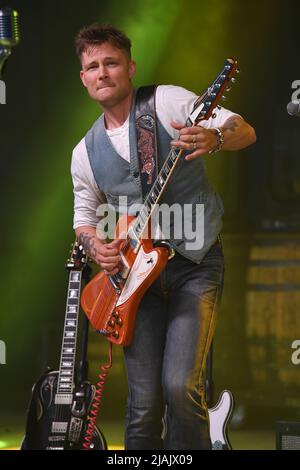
(68,351)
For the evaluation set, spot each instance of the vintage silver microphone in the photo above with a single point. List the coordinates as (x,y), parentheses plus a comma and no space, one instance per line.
(9,33)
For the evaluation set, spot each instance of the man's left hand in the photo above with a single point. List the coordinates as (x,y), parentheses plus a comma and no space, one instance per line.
(196,139)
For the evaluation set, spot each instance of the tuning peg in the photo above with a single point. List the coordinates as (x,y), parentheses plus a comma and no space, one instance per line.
(228,88)
(218,106)
(213,115)
(233,80)
(237,70)
(223,97)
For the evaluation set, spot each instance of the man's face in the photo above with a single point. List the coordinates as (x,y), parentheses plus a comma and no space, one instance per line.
(106,73)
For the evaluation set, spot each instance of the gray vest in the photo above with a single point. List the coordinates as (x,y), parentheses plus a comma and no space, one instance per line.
(198,212)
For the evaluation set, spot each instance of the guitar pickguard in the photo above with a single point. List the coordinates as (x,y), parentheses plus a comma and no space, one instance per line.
(219,417)
(142,266)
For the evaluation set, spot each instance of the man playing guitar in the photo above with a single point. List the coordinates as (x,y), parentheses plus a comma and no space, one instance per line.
(176,316)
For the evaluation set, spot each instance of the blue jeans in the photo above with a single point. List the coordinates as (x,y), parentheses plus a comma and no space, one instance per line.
(165,362)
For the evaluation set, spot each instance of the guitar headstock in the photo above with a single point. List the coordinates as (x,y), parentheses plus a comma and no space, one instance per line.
(78,258)
(210,98)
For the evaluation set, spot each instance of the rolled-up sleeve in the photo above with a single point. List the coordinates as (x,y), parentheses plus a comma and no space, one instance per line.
(87,195)
(174,103)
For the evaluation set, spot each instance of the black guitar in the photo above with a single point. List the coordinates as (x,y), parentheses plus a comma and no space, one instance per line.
(58,410)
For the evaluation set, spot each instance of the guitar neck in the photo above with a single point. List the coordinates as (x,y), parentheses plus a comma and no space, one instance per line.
(68,350)
(202,110)
(156,192)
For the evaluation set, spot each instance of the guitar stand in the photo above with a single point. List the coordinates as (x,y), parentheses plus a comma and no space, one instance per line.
(82,368)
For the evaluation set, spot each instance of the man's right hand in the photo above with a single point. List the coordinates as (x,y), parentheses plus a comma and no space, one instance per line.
(105,254)
(108,256)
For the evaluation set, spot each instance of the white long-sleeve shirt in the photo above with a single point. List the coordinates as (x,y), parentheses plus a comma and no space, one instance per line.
(173,103)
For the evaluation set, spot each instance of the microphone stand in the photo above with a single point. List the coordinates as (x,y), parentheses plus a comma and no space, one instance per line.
(4,54)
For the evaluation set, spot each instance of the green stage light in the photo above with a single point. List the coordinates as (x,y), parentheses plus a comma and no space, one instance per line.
(3,444)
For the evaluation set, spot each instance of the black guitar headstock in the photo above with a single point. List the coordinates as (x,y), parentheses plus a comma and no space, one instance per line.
(78,258)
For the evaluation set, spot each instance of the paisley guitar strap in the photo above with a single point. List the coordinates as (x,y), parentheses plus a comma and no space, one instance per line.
(145,123)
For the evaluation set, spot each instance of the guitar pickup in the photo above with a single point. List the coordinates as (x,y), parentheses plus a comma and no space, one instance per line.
(59,427)
(63,399)
(134,240)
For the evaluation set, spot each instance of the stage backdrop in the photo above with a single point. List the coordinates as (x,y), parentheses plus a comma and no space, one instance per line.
(182,42)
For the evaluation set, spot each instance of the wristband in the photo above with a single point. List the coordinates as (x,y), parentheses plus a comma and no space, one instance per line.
(220,133)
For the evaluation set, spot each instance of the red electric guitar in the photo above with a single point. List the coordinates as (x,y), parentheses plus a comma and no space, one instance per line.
(111,302)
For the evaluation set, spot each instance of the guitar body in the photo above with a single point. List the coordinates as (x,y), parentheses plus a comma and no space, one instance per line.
(112,306)
(49,424)
(57,418)
(219,417)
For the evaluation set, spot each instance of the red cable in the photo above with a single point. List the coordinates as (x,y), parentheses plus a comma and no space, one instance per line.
(95,407)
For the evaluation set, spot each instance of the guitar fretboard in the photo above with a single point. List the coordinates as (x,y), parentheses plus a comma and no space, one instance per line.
(156,192)
(68,351)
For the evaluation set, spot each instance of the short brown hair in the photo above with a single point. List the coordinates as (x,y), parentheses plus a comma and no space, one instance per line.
(98,34)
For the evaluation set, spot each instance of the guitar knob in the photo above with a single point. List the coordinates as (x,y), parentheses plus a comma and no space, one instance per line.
(112,323)
(118,319)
